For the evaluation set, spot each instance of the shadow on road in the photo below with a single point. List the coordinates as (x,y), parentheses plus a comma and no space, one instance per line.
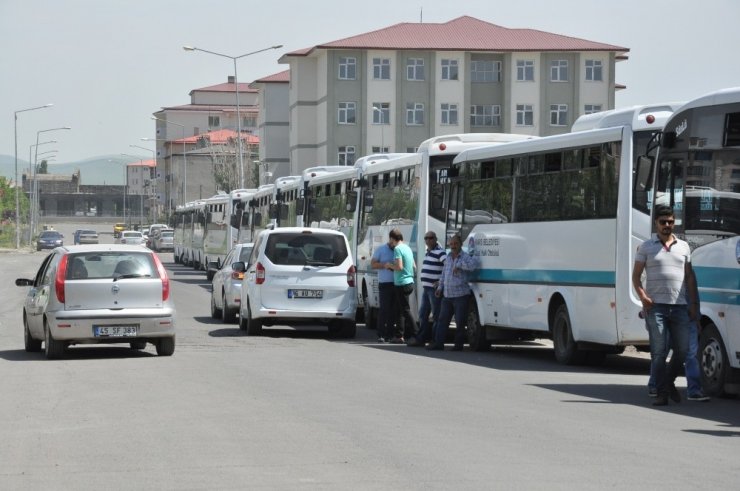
(80,353)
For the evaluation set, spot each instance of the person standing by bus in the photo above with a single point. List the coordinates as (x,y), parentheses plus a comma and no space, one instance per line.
(403,279)
(431,270)
(666,262)
(382,256)
(455,292)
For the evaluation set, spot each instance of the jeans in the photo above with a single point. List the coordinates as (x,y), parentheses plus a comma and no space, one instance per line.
(386,310)
(405,323)
(691,364)
(430,303)
(457,306)
(668,327)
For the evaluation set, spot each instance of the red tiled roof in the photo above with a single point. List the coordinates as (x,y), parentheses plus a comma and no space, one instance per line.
(283,77)
(213,108)
(143,163)
(218,137)
(226,87)
(462,34)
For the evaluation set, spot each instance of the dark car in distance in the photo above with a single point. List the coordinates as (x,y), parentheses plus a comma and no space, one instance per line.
(49,239)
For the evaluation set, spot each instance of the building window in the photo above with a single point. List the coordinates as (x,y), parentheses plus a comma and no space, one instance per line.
(415,69)
(414,113)
(249,121)
(381,68)
(381,112)
(485,115)
(346,155)
(525,71)
(347,68)
(524,115)
(485,71)
(594,71)
(412,149)
(214,121)
(449,114)
(346,113)
(559,71)
(591,108)
(558,114)
(449,70)
(380,150)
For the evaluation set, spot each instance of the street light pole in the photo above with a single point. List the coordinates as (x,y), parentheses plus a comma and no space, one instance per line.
(17,197)
(35,183)
(236,90)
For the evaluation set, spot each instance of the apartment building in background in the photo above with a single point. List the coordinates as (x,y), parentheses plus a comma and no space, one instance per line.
(390,89)
(273,125)
(190,127)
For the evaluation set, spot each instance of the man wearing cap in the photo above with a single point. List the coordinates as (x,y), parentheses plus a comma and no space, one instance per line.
(670,284)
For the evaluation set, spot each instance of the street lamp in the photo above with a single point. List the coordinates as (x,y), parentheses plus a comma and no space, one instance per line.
(382,132)
(35,192)
(236,90)
(31,170)
(17,198)
(184,160)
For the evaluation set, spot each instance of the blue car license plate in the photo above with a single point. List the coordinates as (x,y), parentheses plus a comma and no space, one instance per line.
(305,293)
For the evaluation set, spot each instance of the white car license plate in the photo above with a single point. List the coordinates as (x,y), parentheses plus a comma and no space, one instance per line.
(115,331)
(305,293)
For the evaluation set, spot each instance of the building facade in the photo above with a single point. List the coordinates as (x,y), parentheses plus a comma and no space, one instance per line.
(273,123)
(388,90)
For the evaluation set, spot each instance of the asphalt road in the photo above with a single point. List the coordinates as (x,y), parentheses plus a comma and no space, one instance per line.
(298,410)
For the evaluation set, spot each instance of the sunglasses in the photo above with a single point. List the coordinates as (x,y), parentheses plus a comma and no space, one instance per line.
(666,222)
(428,238)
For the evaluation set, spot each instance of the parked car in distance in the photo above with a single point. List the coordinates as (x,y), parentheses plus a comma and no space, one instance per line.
(117,229)
(131,237)
(297,276)
(49,239)
(103,293)
(85,236)
(226,286)
(164,241)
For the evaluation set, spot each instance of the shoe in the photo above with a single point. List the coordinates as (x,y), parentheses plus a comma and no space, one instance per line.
(699,397)
(674,394)
(652,392)
(415,343)
(435,347)
(457,347)
(397,341)
(382,340)
(660,401)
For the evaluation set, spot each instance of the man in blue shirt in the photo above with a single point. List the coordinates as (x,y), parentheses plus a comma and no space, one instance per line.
(455,292)
(382,256)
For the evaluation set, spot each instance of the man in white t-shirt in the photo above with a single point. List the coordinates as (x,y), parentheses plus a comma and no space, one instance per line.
(666,262)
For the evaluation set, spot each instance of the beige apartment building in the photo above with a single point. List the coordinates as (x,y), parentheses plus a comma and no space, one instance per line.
(390,89)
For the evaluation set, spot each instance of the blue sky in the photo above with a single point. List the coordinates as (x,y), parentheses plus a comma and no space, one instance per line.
(108,65)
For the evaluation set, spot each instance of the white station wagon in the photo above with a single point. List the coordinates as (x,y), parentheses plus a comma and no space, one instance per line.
(299,275)
(103,293)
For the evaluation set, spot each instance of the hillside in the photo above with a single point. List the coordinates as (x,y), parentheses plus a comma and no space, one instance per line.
(105,169)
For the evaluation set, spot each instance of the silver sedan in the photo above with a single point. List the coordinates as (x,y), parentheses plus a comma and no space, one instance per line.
(226,291)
